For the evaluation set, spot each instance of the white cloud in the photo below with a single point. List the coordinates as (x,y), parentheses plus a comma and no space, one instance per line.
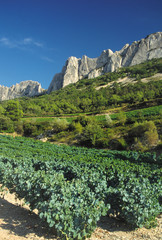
(30,41)
(26,44)
(47,59)
(6,42)
(27,41)
(22,44)
(38,44)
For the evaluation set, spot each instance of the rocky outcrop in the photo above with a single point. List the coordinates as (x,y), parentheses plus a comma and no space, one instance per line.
(27,88)
(138,52)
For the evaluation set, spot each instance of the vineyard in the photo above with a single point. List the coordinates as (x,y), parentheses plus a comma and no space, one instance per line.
(73,187)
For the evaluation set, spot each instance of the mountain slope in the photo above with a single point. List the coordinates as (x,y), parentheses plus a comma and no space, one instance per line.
(136,53)
(83,96)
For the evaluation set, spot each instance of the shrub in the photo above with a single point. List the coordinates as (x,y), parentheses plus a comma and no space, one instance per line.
(30,128)
(78,128)
(45,125)
(103,142)
(109,122)
(151,138)
(92,133)
(145,135)
(6,125)
(117,144)
(121,117)
(84,121)
(138,146)
(59,125)
(19,127)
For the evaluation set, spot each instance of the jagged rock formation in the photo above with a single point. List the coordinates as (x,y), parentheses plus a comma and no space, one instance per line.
(26,88)
(138,52)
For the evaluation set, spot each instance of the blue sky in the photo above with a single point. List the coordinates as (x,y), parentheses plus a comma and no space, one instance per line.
(37,36)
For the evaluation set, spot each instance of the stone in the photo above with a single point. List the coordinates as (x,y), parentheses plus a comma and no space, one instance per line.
(26,88)
(136,53)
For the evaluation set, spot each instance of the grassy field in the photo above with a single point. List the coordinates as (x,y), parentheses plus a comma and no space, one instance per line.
(145,112)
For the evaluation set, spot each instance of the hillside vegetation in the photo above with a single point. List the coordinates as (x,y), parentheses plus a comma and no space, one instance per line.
(127,108)
(72,187)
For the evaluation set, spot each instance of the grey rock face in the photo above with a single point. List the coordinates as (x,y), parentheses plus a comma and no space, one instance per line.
(27,88)
(138,52)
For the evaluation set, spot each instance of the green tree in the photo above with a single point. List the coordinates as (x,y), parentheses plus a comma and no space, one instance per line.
(13,110)
(6,124)
(139,96)
(1,110)
(18,126)
(33,109)
(115,99)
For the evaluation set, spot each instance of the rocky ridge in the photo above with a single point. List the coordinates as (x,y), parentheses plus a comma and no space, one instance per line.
(26,88)
(138,52)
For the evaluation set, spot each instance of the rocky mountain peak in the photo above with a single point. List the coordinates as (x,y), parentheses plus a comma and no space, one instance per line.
(136,53)
(27,88)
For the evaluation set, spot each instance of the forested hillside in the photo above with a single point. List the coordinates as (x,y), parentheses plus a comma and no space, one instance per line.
(84,96)
(129,99)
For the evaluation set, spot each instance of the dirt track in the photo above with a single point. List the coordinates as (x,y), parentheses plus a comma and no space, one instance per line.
(18,223)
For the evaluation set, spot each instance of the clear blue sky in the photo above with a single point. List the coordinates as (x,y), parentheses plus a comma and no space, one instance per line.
(37,36)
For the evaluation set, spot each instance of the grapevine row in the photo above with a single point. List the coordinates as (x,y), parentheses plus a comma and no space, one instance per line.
(71,193)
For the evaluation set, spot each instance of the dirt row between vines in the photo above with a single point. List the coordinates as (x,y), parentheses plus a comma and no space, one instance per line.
(18,223)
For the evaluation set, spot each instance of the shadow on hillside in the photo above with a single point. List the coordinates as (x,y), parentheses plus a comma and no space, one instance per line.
(113,224)
(21,222)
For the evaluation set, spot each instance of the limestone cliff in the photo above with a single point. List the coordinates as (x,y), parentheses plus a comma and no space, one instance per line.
(138,52)
(26,88)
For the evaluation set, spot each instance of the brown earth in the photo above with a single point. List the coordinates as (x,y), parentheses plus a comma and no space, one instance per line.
(18,223)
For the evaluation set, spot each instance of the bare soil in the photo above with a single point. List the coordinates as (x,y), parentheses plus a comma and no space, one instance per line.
(127,80)
(17,222)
